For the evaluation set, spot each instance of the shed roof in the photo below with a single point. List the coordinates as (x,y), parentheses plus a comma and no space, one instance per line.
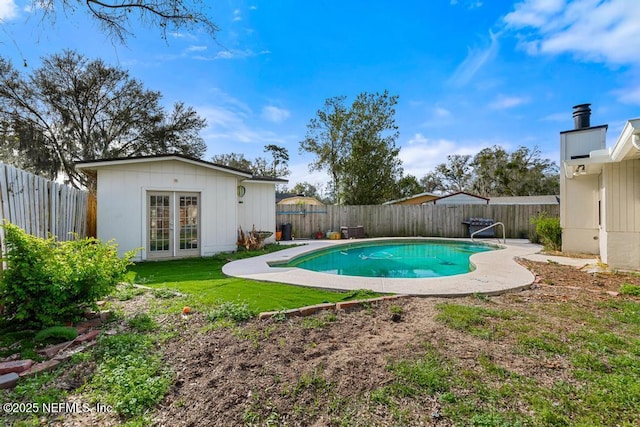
(303,200)
(461,193)
(418,198)
(92,165)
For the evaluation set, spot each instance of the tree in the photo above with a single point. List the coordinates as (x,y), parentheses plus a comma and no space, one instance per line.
(373,166)
(277,167)
(494,172)
(357,147)
(432,183)
(279,161)
(456,174)
(233,160)
(305,188)
(328,138)
(408,186)
(488,165)
(72,109)
(520,173)
(115,17)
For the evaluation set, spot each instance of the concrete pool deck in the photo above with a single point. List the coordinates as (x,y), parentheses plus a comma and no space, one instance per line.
(496,271)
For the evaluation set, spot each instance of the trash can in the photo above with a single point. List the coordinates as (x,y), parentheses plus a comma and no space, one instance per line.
(287,231)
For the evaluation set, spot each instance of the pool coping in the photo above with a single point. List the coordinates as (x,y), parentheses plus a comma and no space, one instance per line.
(496,271)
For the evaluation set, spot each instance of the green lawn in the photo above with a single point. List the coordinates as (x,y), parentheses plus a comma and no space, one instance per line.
(202,279)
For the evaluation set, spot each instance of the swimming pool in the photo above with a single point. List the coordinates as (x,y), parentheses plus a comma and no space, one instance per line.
(398,259)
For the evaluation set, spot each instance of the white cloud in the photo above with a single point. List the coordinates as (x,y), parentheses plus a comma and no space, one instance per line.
(178,35)
(591,30)
(470,4)
(231,123)
(557,117)
(274,114)
(237,15)
(233,54)
(534,13)
(441,113)
(630,95)
(8,10)
(196,48)
(227,127)
(438,116)
(503,102)
(300,173)
(474,61)
(421,155)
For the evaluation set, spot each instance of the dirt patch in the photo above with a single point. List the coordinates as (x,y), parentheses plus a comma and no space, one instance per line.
(325,369)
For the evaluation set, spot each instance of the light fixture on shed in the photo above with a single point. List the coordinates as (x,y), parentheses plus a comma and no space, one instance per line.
(580,170)
(241,192)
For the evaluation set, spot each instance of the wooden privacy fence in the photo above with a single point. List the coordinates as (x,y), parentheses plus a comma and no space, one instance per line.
(409,220)
(41,207)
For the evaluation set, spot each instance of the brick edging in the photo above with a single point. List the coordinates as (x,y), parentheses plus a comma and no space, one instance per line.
(312,309)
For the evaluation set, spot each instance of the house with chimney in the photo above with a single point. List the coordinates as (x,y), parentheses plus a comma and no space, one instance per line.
(600,191)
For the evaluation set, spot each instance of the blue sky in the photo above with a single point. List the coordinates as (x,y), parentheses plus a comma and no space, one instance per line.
(469,73)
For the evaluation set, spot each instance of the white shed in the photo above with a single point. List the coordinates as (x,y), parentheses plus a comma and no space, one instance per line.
(171,206)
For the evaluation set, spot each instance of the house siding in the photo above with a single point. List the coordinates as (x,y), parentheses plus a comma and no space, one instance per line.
(580,195)
(622,223)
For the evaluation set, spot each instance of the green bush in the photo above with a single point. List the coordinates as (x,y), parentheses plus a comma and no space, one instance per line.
(47,282)
(238,312)
(630,289)
(56,333)
(548,231)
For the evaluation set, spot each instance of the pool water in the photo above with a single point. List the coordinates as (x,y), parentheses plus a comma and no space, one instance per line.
(398,259)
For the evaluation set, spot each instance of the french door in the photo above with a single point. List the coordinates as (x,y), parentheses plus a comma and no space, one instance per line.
(173,224)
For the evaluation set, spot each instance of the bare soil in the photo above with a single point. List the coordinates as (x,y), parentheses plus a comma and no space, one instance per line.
(321,370)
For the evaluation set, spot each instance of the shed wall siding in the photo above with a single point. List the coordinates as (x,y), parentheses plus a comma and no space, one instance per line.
(122,206)
(258,208)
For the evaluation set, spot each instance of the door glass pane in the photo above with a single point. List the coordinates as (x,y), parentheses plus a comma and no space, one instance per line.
(159,223)
(188,222)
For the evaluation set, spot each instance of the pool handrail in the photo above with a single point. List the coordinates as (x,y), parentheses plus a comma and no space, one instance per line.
(504,239)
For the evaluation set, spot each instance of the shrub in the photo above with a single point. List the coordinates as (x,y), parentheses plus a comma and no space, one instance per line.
(548,231)
(141,322)
(56,333)
(48,282)
(630,289)
(238,312)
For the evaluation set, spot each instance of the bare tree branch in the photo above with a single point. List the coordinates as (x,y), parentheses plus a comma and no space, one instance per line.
(116,17)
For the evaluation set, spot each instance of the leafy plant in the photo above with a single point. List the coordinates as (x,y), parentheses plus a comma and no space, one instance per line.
(548,230)
(130,375)
(56,333)
(238,312)
(141,322)
(128,291)
(48,281)
(629,289)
